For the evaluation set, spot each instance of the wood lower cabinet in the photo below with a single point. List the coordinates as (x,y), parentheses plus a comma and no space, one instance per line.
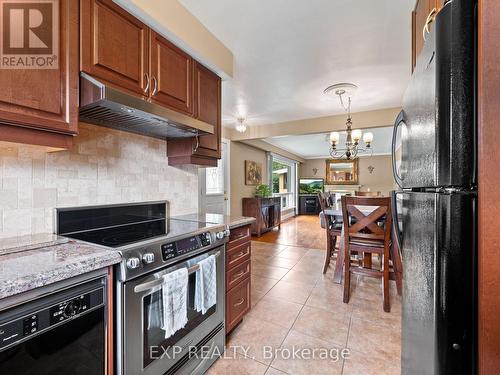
(40,106)
(114,46)
(266,211)
(238,281)
(171,75)
(237,304)
(238,254)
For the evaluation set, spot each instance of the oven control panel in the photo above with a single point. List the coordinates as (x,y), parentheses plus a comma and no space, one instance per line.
(40,320)
(184,246)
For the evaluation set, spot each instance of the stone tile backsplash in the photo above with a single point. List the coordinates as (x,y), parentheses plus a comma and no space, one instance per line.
(104,166)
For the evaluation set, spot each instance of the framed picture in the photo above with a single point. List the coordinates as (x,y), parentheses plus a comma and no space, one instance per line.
(342,172)
(253,173)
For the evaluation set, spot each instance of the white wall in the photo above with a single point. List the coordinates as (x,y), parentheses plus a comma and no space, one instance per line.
(105,166)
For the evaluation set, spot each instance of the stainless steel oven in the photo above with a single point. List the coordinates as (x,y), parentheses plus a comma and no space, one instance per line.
(153,245)
(190,350)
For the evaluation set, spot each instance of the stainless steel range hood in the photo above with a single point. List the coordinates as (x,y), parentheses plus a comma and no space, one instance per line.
(103,105)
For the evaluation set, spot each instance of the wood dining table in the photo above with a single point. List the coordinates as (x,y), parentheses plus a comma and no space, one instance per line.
(336,212)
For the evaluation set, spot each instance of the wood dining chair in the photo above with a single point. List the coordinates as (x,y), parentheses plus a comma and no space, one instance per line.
(367,236)
(368,193)
(333,229)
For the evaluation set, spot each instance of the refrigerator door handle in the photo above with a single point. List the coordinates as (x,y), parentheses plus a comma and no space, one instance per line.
(395,218)
(397,124)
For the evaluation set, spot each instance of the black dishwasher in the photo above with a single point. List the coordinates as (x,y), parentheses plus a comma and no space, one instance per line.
(61,333)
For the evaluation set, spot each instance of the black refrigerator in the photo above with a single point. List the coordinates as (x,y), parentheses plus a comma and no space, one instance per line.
(434,164)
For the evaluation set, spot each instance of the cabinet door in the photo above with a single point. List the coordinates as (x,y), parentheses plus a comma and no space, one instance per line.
(266,218)
(171,75)
(419,16)
(46,99)
(114,46)
(238,303)
(276,214)
(208,109)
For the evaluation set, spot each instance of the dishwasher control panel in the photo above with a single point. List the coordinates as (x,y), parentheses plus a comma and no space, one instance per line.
(46,317)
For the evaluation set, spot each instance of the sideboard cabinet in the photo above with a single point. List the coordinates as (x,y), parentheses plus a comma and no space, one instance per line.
(266,211)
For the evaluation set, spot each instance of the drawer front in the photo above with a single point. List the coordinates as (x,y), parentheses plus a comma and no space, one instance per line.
(238,236)
(237,274)
(237,304)
(238,255)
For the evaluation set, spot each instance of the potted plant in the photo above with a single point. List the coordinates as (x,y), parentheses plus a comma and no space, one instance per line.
(263,191)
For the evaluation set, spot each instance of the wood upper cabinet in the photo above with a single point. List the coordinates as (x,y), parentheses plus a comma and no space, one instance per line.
(419,17)
(114,46)
(208,109)
(120,50)
(41,105)
(171,75)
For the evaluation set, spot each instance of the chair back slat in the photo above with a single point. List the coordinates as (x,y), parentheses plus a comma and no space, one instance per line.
(366,224)
(368,236)
(323,202)
(366,221)
(368,193)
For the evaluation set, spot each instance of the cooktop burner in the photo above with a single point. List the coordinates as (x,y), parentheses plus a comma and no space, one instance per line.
(143,234)
(131,233)
(122,238)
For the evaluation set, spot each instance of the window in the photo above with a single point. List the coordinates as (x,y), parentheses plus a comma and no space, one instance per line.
(215,179)
(283,180)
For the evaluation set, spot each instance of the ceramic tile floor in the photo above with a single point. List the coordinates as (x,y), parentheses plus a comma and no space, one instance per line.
(296,307)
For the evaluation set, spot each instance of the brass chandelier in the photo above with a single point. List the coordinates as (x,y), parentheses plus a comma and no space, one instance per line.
(352,147)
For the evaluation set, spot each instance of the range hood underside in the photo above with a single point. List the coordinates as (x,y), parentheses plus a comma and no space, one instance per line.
(103,105)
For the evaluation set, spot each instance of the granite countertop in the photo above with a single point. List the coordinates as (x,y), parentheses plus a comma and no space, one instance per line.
(21,271)
(29,242)
(230,221)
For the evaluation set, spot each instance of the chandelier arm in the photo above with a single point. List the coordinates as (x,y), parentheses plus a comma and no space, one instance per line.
(335,154)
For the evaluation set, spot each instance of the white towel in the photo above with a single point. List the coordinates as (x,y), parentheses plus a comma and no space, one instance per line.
(206,285)
(155,310)
(174,295)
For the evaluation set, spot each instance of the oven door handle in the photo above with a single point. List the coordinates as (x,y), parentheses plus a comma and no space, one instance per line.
(154,284)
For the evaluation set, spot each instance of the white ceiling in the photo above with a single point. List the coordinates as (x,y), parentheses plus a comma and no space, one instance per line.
(316,146)
(287,52)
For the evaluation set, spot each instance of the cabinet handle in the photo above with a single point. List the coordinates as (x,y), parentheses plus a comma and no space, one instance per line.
(241,253)
(239,303)
(155,86)
(240,235)
(197,145)
(241,273)
(428,21)
(146,77)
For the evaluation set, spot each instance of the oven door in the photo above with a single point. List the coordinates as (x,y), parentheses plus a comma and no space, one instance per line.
(145,348)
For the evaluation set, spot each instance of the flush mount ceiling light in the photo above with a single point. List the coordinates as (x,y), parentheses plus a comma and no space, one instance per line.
(352,148)
(241,126)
